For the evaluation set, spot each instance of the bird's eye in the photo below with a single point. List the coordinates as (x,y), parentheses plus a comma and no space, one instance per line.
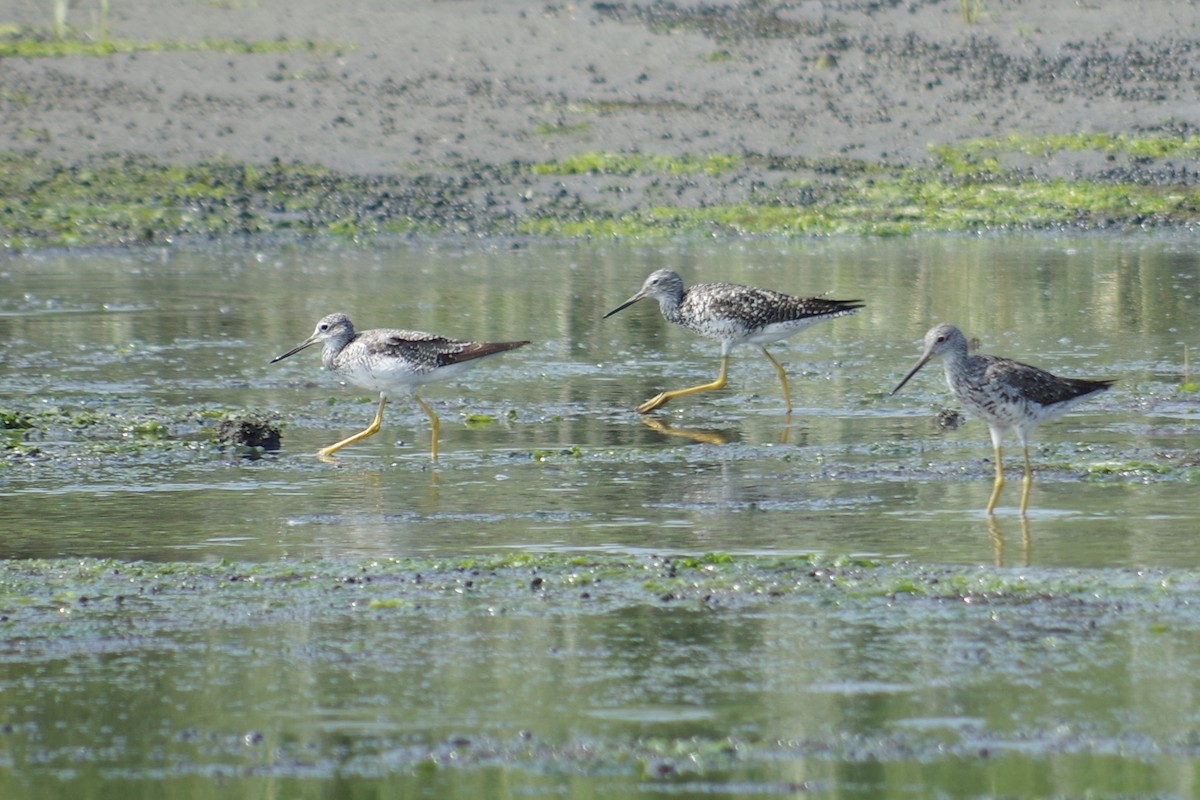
(324,326)
(941,339)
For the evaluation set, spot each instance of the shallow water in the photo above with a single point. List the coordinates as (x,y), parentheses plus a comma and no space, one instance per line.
(563,461)
(609,679)
(354,676)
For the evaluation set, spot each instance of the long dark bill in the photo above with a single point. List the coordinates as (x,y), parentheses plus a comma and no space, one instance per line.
(911,372)
(624,305)
(306,343)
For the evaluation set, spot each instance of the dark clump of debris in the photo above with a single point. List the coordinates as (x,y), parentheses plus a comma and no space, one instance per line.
(253,432)
(947,419)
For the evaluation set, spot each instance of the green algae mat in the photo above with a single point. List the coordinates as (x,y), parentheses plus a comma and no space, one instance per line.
(1008,184)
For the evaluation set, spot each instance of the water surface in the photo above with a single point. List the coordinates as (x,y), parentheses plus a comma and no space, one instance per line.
(218,623)
(556,457)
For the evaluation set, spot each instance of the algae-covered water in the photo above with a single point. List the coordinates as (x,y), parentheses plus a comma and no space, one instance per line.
(715,599)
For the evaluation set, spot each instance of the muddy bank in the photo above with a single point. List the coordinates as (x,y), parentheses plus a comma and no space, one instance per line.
(436,115)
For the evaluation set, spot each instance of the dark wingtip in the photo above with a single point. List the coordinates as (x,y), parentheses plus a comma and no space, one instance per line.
(1084,386)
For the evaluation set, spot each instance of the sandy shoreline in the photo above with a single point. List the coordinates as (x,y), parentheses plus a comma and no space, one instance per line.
(395,89)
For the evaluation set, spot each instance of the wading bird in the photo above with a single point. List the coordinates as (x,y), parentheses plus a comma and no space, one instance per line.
(732,314)
(1008,395)
(390,362)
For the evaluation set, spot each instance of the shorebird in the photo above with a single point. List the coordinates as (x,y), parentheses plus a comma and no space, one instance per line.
(391,361)
(1008,395)
(732,314)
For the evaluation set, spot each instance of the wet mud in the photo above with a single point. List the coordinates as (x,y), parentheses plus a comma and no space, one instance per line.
(465,123)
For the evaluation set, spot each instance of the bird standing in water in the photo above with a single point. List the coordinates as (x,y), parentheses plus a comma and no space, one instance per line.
(1008,395)
(732,314)
(391,361)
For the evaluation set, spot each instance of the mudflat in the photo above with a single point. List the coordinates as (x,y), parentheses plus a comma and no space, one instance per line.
(460,89)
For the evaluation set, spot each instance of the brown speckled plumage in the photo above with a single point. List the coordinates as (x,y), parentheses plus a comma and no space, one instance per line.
(392,361)
(1008,395)
(733,314)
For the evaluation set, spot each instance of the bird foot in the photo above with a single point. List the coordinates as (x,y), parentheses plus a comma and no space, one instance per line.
(653,403)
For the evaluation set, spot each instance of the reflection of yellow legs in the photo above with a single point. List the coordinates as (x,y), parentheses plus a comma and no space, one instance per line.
(666,397)
(998,542)
(787,393)
(373,428)
(703,437)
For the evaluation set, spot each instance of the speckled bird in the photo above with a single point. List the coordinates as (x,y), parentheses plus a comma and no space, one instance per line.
(391,361)
(1008,395)
(733,314)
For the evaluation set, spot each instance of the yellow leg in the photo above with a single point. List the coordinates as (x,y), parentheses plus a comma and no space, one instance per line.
(372,429)
(1026,540)
(998,485)
(787,394)
(437,425)
(1026,483)
(666,397)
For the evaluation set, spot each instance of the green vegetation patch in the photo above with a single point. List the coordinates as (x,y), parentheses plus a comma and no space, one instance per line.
(13,428)
(905,206)
(966,189)
(478,420)
(977,155)
(116,199)
(14,420)
(22,43)
(598,163)
(111,199)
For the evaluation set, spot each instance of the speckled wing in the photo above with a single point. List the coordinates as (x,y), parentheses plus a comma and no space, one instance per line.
(1037,385)
(428,351)
(765,306)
